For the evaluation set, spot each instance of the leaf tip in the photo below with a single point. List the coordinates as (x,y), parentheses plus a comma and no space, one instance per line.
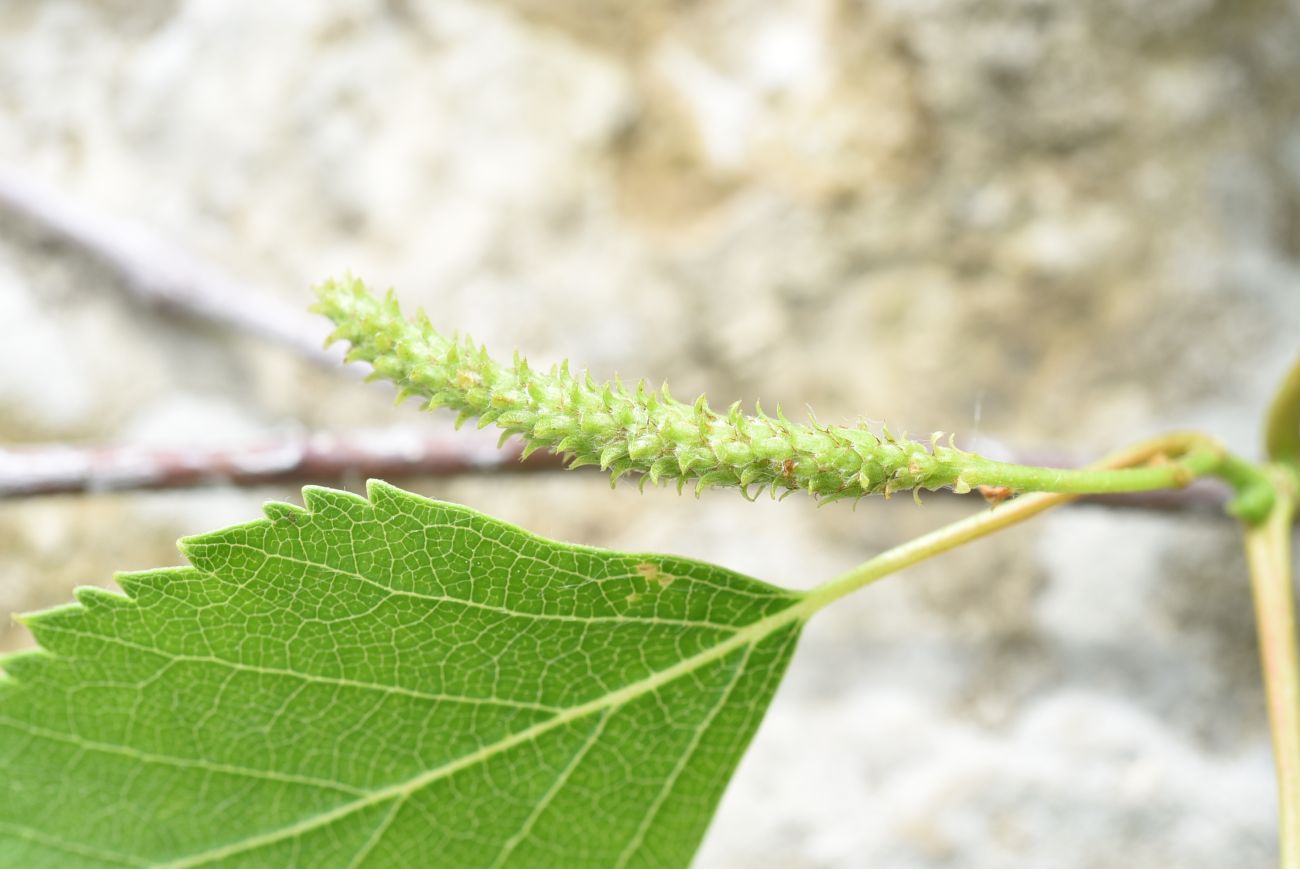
(322,499)
(36,622)
(378,491)
(186,546)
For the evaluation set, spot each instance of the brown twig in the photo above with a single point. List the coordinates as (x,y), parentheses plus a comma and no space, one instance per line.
(161,276)
(294,458)
(330,457)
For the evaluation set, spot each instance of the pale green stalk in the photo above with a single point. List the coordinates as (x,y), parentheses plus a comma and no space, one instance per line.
(1268,551)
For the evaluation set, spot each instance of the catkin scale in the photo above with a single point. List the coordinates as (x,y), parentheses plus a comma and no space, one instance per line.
(640,431)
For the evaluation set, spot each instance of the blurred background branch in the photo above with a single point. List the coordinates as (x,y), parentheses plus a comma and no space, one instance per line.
(161,276)
(317,457)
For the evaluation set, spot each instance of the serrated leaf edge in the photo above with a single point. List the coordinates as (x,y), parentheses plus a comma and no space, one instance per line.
(801,607)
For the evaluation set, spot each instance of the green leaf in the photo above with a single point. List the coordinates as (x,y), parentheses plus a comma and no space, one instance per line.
(392,681)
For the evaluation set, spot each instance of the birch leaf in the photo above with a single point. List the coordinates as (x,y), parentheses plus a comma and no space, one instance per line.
(389,681)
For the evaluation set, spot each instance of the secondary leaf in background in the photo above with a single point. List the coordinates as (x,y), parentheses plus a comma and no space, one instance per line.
(392,681)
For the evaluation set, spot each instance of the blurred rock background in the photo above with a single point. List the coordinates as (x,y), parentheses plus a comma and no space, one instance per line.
(1031,222)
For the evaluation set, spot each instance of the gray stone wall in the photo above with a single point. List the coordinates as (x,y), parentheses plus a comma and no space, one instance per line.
(1060,224)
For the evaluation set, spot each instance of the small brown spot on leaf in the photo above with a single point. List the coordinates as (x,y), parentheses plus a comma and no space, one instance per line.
(652,573)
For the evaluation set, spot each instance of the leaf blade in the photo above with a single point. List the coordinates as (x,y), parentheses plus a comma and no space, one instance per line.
(380,680)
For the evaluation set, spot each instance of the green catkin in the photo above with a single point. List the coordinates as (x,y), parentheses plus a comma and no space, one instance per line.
(627,431)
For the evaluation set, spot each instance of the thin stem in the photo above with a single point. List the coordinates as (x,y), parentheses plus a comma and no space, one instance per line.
(1268,551)
(1282,429)
(983,524)
(1188,456)
(1170,475)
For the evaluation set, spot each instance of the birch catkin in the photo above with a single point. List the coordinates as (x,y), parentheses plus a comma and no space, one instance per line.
(622,430)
